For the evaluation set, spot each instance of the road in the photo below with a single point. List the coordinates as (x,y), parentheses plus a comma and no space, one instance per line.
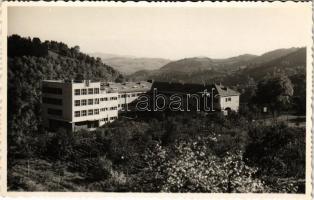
(292,120)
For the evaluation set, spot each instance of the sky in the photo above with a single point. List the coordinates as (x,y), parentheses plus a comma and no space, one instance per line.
(167,32)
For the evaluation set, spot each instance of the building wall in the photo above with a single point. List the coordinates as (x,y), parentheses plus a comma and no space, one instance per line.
(85,103)
(104,111)
(65,105)
(126,98)
(231,102)
(107,107)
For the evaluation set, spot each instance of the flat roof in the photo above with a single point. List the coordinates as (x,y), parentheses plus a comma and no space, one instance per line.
(141,86)
(125,87)
(145,86)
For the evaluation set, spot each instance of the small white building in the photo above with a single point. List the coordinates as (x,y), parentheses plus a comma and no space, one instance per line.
(226,98)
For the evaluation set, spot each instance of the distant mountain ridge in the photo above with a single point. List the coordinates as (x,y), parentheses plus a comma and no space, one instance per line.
(196,64)
(203,69)
(130,64)
(110,55)
(243,57)
(133,66)
(271,55)
(188,65)
(288,63)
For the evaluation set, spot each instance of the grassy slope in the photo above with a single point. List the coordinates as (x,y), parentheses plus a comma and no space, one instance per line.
(42,175)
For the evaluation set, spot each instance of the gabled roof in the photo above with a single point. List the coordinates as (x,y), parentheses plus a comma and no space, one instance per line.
(225,91)
(168,87)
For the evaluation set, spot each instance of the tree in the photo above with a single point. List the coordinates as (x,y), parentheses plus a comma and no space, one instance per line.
(278,150)
(102,169)
(275,93)
(190,166)
(76,49)
(119,79)
(299,96)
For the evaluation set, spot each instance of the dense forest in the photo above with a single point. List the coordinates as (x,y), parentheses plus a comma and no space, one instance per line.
(248,151)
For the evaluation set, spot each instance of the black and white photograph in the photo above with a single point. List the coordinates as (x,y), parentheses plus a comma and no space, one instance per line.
(159,98)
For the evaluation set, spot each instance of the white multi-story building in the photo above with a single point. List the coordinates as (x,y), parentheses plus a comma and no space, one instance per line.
(85,104)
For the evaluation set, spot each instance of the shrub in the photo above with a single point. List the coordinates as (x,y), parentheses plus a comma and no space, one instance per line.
(101,170)
(277,150)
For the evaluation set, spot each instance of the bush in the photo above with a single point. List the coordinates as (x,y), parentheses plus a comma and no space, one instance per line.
(278,150)
(101,170)
(190,166)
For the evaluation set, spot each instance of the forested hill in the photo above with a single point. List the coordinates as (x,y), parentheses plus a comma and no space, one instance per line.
(58,61)
(29,62)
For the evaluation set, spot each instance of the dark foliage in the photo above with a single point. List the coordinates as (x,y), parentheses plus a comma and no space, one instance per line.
(122,156)
(278,150)
(30,61)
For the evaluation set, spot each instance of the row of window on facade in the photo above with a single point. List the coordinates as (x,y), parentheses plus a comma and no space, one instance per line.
(110,118)
(106,98)
(96,91)
(129,95)
(85,102)
(86,91)
(53,90)
(86,112)
(92,111)
(110,108)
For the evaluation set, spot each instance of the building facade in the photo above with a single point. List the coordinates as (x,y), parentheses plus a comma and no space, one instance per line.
(223,98)
(227,99)
(87,104)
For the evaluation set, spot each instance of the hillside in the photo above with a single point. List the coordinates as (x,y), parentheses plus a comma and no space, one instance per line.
(272,55)
(130,64)
(291,63)
(240,58)
(197,69)
(234,70)
(29,62)
(58,60)
(234,63)
(189,65)
(196,64)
